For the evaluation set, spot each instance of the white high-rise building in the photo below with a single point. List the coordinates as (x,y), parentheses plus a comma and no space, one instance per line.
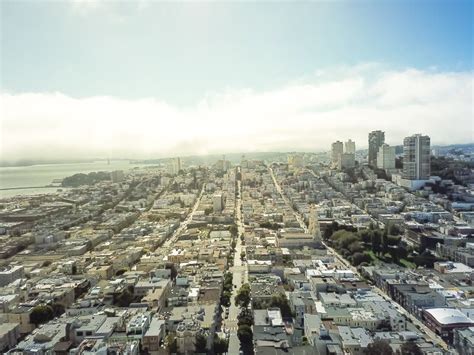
(350,147)
(386,157)
(416,157)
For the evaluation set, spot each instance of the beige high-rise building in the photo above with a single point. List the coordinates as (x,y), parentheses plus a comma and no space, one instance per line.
(416,157)
(337,148)
(386,157)
(376,139)
(218,202)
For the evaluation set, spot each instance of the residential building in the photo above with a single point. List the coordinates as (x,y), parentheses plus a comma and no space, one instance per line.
(154,335)
(9,334)
(416,157)
(443,321)
(386,157)
(10,273)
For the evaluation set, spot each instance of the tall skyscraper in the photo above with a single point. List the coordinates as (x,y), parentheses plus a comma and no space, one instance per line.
(416,157)
(350,147)
(337,148)
(376,139)
(386,157)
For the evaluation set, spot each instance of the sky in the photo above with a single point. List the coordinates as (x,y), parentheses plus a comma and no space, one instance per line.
(144,79)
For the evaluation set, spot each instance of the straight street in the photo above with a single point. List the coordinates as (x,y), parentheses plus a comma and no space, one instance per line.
(240,276)
(183,225)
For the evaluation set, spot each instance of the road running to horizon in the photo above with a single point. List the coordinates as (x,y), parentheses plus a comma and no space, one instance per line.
(240,276)
(184,224)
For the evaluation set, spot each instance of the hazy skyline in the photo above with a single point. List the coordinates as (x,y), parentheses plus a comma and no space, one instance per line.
(144,79)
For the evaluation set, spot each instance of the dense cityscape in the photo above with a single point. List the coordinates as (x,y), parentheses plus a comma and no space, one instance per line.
(344,252)
(238,177)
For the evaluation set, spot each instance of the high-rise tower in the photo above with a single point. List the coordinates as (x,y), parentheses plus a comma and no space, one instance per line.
(376,139)
(416,157)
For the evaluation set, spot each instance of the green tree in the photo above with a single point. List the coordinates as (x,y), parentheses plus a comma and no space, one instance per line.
(120,272)
(384,241)
(172,344)
(225,298)
(41,314)
(281,302)
(355,247)
(242,299)
(245,335)
(220,345)
(125,298)
(410,348)
(426,259)
(365,235)
(233,230)
(393,229)
(379,347)
(359,258)
(58,309)
(245,317)
(376,241)
(201,343)
(46,263)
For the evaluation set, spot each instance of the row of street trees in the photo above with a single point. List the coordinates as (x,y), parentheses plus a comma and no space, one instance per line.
(382,347)
(245,319)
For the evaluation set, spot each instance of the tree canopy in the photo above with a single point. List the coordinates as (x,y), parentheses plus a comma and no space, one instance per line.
(41,314)
(242,299)
(379,347)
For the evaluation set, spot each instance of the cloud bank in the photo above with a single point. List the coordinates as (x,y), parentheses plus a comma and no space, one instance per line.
(306,115)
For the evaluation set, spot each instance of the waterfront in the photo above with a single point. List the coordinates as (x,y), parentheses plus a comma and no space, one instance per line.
(30,180)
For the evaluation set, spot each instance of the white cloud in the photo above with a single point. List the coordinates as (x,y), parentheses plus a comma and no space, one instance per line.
(114,9)
(306,115)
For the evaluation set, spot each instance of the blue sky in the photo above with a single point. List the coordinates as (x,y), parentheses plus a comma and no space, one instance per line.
(336,68)
(180,51)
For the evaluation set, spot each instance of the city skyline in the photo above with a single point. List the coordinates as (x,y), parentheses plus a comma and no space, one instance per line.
(123,80)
